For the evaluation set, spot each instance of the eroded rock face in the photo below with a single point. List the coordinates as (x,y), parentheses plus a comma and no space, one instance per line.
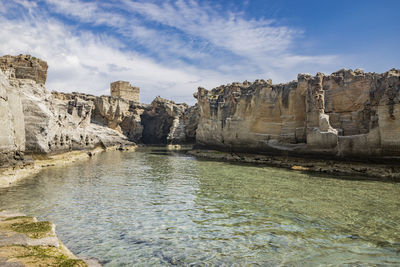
(165,122)
(161,122)
(24,67)
(37,121)
(347,113)
(12,134)
(119,114)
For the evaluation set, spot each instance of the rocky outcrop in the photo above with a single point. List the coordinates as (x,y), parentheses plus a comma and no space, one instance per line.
(24,67)
(184,126)
(161,122)
(41,122)
(12,134)
(345,114)
(24,241)
(165,122)
(58,125)
(115,113)
(119,114)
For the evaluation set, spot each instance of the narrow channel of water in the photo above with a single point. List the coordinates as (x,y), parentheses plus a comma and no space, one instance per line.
(155,208)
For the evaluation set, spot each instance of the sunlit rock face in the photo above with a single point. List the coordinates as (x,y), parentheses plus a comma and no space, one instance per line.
(12,125)
(38,121)
(347,113)
(24,67)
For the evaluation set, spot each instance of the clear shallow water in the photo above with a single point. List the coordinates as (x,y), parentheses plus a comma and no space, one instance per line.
(153,208)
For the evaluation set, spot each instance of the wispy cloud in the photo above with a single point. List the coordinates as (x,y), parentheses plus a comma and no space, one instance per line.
(90,12)
(230,31)
(167,48)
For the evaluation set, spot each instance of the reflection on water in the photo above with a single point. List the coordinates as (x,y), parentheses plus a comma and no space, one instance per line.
(157,208)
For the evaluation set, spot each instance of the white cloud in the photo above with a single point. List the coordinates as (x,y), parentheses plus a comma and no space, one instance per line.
(86,12)
(85,63)
(185,45)
(230,31)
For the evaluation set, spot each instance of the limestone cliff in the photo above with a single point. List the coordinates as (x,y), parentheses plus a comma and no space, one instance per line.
(12,134)
(24,67)
(165,121)
(347,113)
(37,121)
(161,122)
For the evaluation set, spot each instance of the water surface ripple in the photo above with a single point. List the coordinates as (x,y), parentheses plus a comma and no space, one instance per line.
(154,208)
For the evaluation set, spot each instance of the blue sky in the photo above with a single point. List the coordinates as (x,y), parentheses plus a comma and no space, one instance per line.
(169,48)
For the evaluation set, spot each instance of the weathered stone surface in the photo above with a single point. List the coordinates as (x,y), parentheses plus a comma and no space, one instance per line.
(24,67)
(26,242)
(164,122)
(12,134)
(347,113)
(119,114)
(37,121)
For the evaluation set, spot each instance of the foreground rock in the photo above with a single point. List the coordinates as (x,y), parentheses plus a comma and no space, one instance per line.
(26,242)
(348,114)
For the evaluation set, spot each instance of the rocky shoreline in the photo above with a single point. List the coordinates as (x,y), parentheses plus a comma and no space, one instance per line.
(11,175)
(339,168)
(315,123)
(25,241)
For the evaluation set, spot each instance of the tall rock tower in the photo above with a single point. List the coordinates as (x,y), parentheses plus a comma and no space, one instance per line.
(125,90)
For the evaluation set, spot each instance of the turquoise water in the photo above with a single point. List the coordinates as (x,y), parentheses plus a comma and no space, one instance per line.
(153,208)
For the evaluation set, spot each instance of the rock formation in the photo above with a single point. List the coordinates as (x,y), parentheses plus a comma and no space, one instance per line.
(24,67)
(345,114)
(25,241)
(12,125)
(164,122)
(161,122)
(37,121)
(116,113)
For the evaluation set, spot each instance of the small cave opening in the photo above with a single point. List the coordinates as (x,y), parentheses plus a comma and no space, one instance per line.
(156,128)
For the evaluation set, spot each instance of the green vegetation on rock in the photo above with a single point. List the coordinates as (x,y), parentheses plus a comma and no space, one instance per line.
(45,256)
(32,229)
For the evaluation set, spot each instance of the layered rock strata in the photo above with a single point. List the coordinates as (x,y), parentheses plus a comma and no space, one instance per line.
(166,122)
(345,114)
(161,122)
(24,67)
(37,121)
(118,114)
(12,124)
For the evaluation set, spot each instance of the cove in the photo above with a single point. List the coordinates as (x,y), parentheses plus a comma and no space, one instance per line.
(154,207)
